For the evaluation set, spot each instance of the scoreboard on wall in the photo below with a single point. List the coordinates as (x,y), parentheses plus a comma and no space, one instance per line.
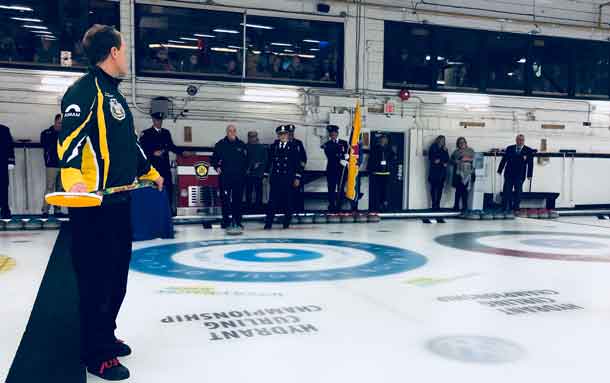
(197,185)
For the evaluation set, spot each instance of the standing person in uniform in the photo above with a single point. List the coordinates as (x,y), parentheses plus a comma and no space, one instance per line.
(517,163)
(337,154)
(98,149)
(257,163)
(7,162)
(438,158)
(48,140)
(462,160)
(284,171)
(230,159)
(299,199)
(157,143)
(380,167)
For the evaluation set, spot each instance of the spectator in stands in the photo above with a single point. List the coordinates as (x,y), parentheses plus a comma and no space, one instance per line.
(8,49)
(517,163)
(48,140)
(160,61)
(297,70)
(232,68)
(7,162)
(463,173)
(438,158)
(257,163)
(46,53)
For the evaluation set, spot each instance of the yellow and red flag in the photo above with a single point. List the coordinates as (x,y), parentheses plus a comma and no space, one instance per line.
(354,155)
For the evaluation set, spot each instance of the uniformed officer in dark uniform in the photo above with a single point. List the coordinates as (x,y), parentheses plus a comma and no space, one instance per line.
(98,149)
(157,143)
(7,162)
(284,170)
(380,167)
(517,163)
(337,154)
(299,200)
(230,159)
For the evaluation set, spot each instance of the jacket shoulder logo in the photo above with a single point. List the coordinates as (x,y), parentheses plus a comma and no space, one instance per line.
(116,109)
(72,111)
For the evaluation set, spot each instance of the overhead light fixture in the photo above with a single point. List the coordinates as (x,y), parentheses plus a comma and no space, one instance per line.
(176,41)
(34,26)
(428,58)
(234,47)
(467,99)
(204,35)
(281,44)
(312,41)
(440,58)
(257,26)
(16,8)
(314,49)
(510,74)
(600,106)
(256,52)
(177,46)
(43,32)
(231,31)
(225,50)
(26,19)
(307,56)
(287,96)
(188,39)
(440,82)
(288,51)
(523,60)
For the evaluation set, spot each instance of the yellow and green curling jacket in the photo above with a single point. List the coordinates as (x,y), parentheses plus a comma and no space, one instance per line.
(98,144)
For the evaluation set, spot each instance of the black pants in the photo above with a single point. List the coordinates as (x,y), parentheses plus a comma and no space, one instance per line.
(4,208)
(281,199)
(101,252)
(231,192)
(254,184)
(436,192)
(379,192)
(512,193)
(461,195)
(336,187)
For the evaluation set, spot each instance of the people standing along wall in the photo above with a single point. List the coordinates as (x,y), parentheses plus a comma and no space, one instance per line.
(257,163)
(48,140)
(462,161)
(517,164)
(7,162)
(438,158)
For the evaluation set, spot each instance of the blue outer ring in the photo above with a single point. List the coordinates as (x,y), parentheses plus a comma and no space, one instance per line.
(157,260)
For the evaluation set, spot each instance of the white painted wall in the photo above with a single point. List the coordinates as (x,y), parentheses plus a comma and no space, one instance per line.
(29,99)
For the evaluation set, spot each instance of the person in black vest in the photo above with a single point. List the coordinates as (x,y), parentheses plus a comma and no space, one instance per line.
(48,140)
(230,159)
(284,170)
(517,164)
(7,162)
(299,200)
(380,167)
(157,143)
(438,157)
(257,163)
(337,154)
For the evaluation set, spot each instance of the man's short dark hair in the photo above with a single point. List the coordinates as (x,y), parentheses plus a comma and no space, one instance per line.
(98,41)
(57,117)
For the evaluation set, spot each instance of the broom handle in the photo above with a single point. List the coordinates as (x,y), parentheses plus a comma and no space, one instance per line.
(124,188)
